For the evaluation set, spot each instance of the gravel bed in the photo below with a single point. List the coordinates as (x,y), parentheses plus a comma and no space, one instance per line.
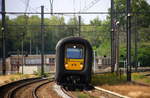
(26,92)
(46,91)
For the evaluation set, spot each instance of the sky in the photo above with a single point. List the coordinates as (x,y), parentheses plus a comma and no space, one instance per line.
(60,6)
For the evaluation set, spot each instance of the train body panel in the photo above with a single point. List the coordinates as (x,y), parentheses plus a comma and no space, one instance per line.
(74,64)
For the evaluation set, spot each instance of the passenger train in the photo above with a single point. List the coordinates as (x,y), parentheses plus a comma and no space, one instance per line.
(73,62)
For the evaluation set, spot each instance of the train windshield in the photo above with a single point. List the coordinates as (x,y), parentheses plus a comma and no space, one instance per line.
(74,53)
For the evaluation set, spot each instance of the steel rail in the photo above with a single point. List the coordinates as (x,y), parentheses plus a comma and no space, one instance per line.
(5,89)
(66,92)
(13,92)
(61,91)
(34,92)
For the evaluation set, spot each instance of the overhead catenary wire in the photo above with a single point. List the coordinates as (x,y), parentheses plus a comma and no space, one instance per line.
(51,6)
(28,5)
(91,4)
(63,13)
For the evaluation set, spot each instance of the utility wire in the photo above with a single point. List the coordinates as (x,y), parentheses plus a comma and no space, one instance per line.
(91,4)
(27,5)
(62,13)
(51,6)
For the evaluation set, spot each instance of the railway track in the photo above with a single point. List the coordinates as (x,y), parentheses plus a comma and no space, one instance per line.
(6,90)
(102,93)
(68,93)
(30,88)
(62,92)
(34,88)
(22,89)
(95,92)
(25,90)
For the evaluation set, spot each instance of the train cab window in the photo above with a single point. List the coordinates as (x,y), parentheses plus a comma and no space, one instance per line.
(74,53)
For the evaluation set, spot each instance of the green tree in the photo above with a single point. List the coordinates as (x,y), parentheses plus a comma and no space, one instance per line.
(73,29)
(141,18)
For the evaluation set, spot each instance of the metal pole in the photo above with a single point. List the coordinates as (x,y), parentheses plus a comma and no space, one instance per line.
(3,36)
(94,62)
(22,52)
(18,61)
(30,46)
(128,40)
(124,66)
(112,36)
(37,50)
(117,47)
(42,42)
(79,25)
(136,49)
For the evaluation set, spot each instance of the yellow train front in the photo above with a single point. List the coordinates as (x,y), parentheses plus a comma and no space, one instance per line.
(73,62)
(74,57)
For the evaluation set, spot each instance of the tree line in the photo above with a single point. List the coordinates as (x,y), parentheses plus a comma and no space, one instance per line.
(27,29)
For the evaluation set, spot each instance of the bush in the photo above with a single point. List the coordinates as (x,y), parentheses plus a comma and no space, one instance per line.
(13,78)
(144,55)
(38,73)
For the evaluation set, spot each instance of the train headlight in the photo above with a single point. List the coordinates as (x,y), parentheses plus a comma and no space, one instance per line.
(66,65)
(81,66)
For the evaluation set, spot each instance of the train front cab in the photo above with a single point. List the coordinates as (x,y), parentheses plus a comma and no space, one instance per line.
(73,61)
(74,57)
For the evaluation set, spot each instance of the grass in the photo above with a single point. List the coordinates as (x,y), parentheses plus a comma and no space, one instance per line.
(108,78)
(19,76)
(13,78)
(4,79)
(83,95)
(113,78)
(140,78)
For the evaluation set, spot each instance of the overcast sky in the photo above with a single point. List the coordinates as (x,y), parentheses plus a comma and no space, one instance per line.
(60,6)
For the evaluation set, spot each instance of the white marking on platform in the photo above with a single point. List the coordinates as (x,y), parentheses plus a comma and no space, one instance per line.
(59,91)
(110,92)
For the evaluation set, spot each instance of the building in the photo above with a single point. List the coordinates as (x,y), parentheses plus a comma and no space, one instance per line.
(32,64)
(28,64)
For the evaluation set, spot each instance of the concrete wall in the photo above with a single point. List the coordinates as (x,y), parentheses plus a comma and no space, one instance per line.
(32,69)
(8,66)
